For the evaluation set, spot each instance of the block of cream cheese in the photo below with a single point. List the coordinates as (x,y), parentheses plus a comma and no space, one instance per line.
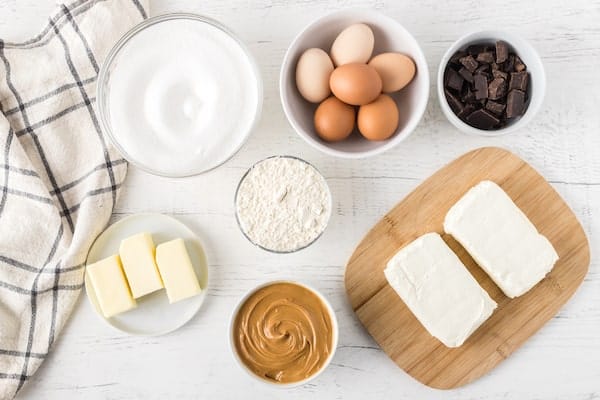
(137,255)
(176,270)
(110,286)
(439,290)
(500,238)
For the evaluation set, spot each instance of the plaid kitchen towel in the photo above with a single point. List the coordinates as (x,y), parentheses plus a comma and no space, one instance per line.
(59,176)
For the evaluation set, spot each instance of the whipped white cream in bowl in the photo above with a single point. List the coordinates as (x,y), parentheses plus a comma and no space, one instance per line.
(179,95)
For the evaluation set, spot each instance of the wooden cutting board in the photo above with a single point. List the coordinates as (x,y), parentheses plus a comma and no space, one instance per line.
(392,324)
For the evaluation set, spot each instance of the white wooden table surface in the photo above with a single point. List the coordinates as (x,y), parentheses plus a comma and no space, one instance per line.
(92,361)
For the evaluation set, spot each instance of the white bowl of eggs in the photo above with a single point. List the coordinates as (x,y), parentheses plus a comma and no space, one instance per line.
(354,83)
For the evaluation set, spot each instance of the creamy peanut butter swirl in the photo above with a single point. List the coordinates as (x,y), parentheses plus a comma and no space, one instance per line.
(283,333)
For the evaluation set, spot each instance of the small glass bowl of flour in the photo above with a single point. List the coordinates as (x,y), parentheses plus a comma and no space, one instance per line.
(282,204)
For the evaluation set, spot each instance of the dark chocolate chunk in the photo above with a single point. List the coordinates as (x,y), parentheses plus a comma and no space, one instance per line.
(454,80)
(475,49)
(497,89)
(485,57)
(468,96)
(495,67)
(466,74)
(515,103)
(509,65)
(518,80)
(455,59)
(483,68)
(469,63)
(482,119)
(501,51)
(469,108)
(499,74)
(494,107)
(519,65)
(481,88)
(454,102)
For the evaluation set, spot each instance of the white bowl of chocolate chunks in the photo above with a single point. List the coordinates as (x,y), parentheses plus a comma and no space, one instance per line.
(490,83)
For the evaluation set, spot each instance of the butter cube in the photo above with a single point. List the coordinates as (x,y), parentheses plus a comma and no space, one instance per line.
(112,291)
(177,271)
(137,255)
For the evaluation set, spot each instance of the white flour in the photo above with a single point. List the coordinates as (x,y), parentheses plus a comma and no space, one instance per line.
(283,204)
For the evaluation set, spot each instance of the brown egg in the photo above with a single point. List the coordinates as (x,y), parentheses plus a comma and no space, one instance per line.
(378,120)
(334,120)
(355,84)
(396,70)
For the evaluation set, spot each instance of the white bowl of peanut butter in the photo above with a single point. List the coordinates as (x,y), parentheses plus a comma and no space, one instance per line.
(283,333)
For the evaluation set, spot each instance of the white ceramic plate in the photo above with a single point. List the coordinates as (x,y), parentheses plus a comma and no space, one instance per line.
(153,315)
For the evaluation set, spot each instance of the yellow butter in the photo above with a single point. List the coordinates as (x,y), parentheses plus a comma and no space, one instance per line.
(177,271)
(110,286)
(137,255)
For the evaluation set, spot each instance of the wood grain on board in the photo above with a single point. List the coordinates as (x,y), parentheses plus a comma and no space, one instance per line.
(392,324)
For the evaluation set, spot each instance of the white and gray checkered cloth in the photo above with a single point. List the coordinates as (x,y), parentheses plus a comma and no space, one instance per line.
(59,176)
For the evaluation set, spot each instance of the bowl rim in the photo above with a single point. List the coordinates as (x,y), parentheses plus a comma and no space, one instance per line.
(398,137)
(523,47)
(237,218)
(104,76)
(334,325)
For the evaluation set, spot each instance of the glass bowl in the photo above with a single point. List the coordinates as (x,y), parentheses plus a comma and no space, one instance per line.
(237,217)
(193,166)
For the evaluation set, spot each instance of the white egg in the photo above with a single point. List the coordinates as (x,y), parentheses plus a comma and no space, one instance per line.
(312,75)
(353,45)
